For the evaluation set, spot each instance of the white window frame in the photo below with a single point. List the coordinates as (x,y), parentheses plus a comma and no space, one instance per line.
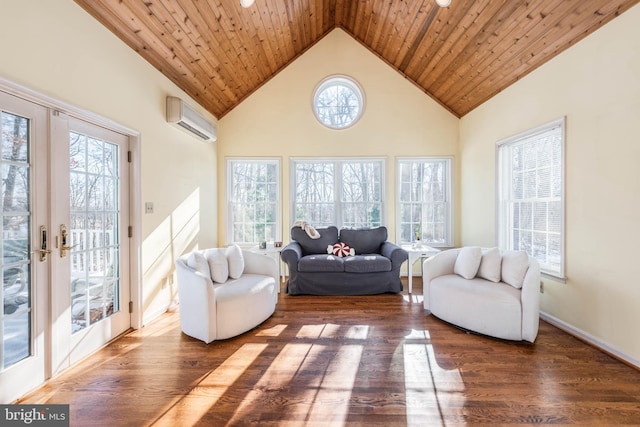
(504,201)
(229,194)
(448,241)
(338,219)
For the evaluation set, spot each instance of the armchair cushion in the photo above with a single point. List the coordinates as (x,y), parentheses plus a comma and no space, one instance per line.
(514,267)
(198,262)
(468,262)
(491,265)
(235,260)
(218,264)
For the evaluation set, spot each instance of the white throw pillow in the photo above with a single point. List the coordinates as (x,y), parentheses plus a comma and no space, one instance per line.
(514,267)
(235,260)
(491,265)
(198,262)
(468,262)
(217,259)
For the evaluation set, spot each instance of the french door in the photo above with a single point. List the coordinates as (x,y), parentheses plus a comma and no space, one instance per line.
(65,251)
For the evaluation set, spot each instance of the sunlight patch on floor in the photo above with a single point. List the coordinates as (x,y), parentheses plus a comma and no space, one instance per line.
(329,330)
(413,298)
(189,409)
(272,332)
(428,387)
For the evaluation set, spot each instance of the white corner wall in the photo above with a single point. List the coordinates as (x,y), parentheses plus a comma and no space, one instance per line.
(596,85)
(277,120)
(56,48)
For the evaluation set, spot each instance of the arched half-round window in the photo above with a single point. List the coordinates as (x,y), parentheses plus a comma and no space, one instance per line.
(338,102)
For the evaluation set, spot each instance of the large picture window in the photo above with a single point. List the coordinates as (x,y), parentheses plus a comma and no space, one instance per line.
(344,193)
(531,195)
(424,195)
(253,199)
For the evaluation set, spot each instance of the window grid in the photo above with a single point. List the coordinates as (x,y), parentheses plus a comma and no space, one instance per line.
(344,193)
(531,205)
(425,201)
(253,200)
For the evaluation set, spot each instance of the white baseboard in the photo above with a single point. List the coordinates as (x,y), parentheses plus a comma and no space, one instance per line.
(590,339)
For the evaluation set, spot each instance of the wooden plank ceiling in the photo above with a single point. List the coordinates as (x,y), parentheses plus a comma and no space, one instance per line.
(461,55)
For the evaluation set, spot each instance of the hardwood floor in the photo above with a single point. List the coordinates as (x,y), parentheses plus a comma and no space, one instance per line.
(334,361)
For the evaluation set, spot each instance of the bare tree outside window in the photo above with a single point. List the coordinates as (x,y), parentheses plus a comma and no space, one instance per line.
(344,193)
(425,201)
(16,224)
(93,193)
(338,102)
(253,196)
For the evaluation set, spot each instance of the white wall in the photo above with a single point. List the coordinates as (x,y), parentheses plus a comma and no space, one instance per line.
(596,85)
(58,49)
(277,120)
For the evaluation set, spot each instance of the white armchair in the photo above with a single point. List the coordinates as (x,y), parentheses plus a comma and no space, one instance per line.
(484,290)
(214,310)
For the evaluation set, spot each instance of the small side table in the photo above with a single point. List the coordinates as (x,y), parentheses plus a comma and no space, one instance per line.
(273,252)
(415,252)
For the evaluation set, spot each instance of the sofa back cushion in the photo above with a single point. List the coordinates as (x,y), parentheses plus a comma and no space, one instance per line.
(491,265)
(309,246)
(514,267)
(198,262)
(364,241)
(235,260)
(468,262)
(217,259)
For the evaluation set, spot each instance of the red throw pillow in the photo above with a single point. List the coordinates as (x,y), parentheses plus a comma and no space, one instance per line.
(342,249)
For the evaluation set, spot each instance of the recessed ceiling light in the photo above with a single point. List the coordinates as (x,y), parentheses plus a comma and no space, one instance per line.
(248,3)
(443,3)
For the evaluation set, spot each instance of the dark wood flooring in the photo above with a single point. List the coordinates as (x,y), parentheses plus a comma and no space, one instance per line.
(343,361)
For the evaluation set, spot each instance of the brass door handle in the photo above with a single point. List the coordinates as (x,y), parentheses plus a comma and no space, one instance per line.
(43,251)
(63,241)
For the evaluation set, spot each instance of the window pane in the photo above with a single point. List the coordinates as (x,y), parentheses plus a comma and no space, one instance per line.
(424,205)
(253,199)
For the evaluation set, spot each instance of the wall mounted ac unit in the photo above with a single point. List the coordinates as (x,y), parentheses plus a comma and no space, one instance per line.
(179,113)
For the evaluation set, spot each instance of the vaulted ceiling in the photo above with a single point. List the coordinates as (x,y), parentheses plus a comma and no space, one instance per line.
(462,55)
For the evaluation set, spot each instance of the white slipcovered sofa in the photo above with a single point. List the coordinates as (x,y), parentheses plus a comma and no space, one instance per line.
(488,291)
(225,292)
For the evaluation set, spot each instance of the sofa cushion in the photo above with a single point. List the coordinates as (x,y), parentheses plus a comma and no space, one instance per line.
(364,241)
(491,265)
(468,262)
(371,263)
(235,259)
(217,259)
(328,236)
(514,267)
(198,262)
(321,263)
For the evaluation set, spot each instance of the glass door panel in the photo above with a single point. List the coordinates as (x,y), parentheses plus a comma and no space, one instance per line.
(23,127)
(16,225)
(94,233)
